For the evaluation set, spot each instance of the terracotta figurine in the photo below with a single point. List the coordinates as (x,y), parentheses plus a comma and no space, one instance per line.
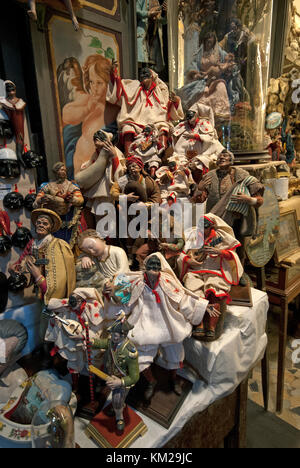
(68,5)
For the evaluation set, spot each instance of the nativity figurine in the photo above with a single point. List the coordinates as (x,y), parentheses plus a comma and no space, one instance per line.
(64,198)
(143,102)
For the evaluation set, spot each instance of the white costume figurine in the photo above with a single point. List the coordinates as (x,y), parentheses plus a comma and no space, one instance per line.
(210,267)
(141,103)
(174,181)
(146,146)
(195,140)
(68,330)
(163,313)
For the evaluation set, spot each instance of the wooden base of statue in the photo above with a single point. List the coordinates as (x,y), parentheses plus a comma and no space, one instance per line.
(86,408)
(102,429)
(241,296)
(165,403)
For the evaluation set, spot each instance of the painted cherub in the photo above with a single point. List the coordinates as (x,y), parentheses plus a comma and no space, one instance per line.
(68,4)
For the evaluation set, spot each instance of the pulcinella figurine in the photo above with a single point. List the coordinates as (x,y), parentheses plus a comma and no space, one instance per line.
(13,200)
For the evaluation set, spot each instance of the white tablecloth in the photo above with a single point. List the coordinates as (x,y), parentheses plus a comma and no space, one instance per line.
(224,364)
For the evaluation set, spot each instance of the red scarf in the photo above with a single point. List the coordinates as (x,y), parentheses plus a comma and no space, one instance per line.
(158,300)
(79,313)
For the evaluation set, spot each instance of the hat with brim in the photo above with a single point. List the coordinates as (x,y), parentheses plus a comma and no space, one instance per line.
(55,218)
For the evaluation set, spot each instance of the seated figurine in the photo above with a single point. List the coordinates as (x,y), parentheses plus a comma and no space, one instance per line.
(209,268)
(174,181)
(195,140)
(65,198)
(143,102)
(98,263)
(147,147)
(135,173)
(163,313)
(121,364)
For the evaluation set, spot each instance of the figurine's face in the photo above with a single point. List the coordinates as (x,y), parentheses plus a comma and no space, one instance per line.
(10,90)
(116,338)
(147,131)
(93,247)
(153,266)
(224,160)
(98,87)
(43,226)
(61,173)
(191,116)
(98,144)
(172,166)
(75,301)
(146,78)
(134,171)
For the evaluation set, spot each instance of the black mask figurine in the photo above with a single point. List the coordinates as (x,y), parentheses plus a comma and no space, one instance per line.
(21,237)
(29,200)
(17,282)
(3,292)
(32,159)
(13,200)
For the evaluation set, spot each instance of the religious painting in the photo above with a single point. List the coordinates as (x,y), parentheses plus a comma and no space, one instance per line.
(289,237)
(81,65)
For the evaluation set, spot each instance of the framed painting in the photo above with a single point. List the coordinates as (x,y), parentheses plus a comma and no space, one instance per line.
(289,237)
(106,7)
(81,65)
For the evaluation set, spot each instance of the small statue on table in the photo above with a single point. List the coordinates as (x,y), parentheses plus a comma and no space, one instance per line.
(174,181)
(121,365)
(65,198)
(69,320)
(209,268)
(163,313)
(233,195)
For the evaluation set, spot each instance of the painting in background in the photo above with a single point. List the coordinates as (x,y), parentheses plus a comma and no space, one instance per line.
(81,65)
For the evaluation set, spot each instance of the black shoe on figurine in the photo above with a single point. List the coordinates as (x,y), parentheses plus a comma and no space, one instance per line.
(148,394)
(176,387)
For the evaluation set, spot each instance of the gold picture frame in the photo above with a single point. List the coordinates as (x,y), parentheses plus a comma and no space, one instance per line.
(288,241)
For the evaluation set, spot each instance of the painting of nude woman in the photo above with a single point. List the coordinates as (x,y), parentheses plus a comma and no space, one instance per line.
(82,67)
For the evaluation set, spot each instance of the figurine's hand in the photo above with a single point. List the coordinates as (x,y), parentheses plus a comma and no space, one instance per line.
(173,97)
(212,250)
(132,198)
(190,136)
(243,198)
(212,312)
(108,288)
(32,269)
(87,263)
(109,147)
(114,382)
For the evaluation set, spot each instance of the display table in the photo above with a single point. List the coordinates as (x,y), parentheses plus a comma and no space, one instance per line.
(224,364)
